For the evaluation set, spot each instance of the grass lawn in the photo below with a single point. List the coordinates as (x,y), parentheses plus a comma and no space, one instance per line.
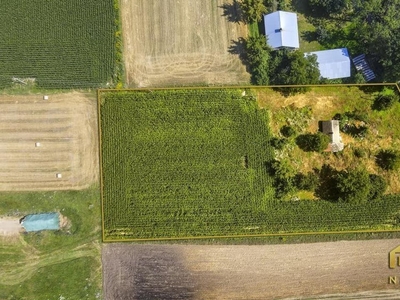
(48,265)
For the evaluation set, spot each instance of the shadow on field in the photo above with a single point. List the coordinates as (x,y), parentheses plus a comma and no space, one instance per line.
(232,11)
(145,272)
(238,47)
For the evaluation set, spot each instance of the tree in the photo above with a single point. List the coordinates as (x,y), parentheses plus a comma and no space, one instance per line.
(253,10)
(293,68)
(329,7)
(353,186)
(284,177)
(378,187)
(307,181)
(388,159)
(317,142)
(257,57)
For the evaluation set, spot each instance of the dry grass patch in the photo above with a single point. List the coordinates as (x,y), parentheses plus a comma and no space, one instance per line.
(175,43)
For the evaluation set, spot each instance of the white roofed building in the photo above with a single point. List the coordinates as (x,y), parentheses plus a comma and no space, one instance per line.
(281,30)
(333,64)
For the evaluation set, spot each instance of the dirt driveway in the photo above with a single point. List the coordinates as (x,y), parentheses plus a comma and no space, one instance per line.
(249,272)
(9,226)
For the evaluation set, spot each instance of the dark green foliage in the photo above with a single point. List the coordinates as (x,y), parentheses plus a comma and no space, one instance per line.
(307,181)
(288,131)
(62,44)
(284,177)
(253,10)
(316,142)
(293,68)
(357,131)
(278,143)
(353,186)
(378,186)
(328,7)
(384,102)
(388,159)
(257,56)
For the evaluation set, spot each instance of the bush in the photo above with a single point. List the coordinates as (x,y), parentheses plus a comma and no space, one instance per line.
(384,102)
(307,181)
(317,142)
(359,153)
(388,159)
(288,131)
(278,143)
(378,186)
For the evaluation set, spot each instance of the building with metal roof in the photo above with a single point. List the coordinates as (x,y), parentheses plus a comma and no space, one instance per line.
(281,30)
(334,63)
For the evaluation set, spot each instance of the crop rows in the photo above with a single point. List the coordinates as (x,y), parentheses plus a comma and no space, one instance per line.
(61,44)
(193,163)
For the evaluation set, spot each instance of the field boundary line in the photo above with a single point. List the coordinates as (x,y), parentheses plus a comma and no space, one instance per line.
(204,237)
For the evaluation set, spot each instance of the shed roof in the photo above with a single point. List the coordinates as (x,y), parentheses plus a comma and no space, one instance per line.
(334,63)
(281,29)
(38,222)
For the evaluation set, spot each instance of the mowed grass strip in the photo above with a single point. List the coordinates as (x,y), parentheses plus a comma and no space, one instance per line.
(182,163)
(62,44)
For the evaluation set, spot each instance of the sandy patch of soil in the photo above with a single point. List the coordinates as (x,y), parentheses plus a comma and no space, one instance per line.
(248,272)
(9,226)
(65,126)
(175,43)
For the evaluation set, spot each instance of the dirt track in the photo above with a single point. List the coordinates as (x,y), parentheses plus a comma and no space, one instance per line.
(249,272)
(174,43)
(66,128)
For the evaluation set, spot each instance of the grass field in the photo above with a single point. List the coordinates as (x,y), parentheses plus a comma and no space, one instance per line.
(63,44)
(52,265)
(189,163)
(176,43)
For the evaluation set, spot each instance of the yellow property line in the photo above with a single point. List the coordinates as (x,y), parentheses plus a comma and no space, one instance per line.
(99,91)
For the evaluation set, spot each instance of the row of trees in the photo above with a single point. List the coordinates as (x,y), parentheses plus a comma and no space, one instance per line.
(279,66)
(369,27)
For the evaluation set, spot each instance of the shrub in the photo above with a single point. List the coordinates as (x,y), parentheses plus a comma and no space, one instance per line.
(359,153)
(384,102)
(378,186)
(278,143)
(317,142)
(307,181)
(288,131)
(388,159)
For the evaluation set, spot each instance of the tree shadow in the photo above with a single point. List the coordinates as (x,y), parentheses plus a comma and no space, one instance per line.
(233,12)
(238,47)
(309,36)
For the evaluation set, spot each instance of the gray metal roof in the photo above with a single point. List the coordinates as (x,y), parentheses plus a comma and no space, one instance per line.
(281,29)
(334,63)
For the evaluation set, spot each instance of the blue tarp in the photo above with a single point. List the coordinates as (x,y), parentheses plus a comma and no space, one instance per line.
(38,222)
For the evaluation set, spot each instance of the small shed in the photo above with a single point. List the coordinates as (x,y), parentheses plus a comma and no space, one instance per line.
(334,63)
(38,222)
(331,128)
(282,30)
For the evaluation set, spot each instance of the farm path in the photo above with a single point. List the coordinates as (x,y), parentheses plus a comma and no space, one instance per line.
(9,226)
(249,272)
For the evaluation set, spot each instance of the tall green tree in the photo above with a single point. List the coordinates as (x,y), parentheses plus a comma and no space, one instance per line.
(353,186)
(293,68)
(253,10)
(258,58)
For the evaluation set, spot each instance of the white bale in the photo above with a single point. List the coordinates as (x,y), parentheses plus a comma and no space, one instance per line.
(45,97)
(58,175)
(37,144)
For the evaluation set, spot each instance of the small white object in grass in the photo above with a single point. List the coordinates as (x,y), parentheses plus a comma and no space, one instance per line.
(37,144)
(58,175)
(243,93)
(45,97)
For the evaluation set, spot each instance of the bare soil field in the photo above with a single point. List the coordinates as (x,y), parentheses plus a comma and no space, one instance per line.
(334,270)
(65,126)
(175,43)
